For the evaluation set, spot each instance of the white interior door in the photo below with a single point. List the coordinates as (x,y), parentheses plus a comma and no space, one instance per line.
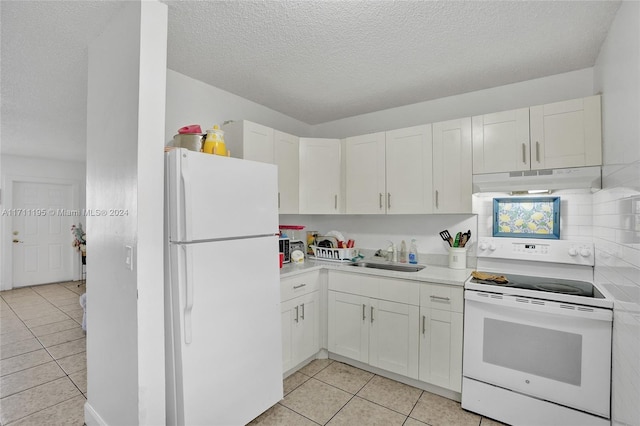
(42,251)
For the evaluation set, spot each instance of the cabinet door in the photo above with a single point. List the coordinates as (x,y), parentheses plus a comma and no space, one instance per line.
(394,337)
(320,176)
(258,143)
(288,317)
(348,326)
(452,166)
(409,158)
(287,158)
(441,348)
(307,327)
(501,141)
(566,134)
(365,174)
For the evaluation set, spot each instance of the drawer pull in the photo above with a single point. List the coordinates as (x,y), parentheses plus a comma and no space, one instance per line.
(364,315)
(424,318)
(302,315)
(372,314)
(444,299)
(295,287)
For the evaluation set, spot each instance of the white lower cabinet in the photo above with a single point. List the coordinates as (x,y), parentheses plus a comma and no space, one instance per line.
(393,338)
(378,332)
(441,336)
(300,329)
(300,319)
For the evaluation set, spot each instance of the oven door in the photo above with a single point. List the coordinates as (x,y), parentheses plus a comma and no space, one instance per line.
(554,351)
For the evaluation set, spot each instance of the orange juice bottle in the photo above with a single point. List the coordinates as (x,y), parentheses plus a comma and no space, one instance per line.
(214,143)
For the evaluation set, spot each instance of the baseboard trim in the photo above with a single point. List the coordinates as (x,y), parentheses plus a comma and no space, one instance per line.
(91,416)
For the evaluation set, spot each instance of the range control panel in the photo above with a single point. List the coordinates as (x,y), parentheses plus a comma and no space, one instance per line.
(557,251)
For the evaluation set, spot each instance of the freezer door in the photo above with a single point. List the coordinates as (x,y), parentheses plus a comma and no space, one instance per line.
(227,331)
(213,197)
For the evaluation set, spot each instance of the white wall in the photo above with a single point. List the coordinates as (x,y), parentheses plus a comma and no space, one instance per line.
(47,170)
(616,209)
(125,128)
(191,101)
(559,87)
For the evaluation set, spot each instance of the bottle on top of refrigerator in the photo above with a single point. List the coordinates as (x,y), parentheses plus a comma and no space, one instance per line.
(413,252)
(214,143)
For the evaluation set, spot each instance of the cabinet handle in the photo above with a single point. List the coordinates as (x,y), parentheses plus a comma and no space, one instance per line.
(381,201)
(537,151)
(302,315)
(372,314)
(436,198)
(524,153)
(296,318)
(278,200)
(298,286)
(444,299)
(388,200)
(364,315)
(335,202)
(424,318)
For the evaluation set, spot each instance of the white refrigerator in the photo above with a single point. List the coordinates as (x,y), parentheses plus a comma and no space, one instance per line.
(222,289)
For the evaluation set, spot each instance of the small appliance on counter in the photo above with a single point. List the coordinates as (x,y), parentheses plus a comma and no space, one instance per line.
(297,245)
(285,249)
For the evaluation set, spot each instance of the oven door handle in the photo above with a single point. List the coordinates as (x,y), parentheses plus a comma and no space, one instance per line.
(537,305)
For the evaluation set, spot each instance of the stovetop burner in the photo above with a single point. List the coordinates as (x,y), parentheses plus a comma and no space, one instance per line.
(552,285)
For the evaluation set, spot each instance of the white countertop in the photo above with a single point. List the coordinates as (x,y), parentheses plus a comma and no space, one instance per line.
(431,273)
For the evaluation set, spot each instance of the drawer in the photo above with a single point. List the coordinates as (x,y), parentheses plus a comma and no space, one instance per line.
(443,297)
(299,285)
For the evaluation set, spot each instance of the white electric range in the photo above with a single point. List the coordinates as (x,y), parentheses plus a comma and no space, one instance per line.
(537,349)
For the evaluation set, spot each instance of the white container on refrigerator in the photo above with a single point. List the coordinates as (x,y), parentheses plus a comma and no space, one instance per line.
(223,332)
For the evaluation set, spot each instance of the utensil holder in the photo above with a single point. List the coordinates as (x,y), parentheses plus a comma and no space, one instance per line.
(457,257)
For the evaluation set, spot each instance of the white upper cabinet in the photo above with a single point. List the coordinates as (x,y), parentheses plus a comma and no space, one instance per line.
(365,174)
(452,166)
(286,153)
(256,142)
(409,159)
(558,135)
(566,134)
(250,141)
(501,141)
(320,176)
(389,172)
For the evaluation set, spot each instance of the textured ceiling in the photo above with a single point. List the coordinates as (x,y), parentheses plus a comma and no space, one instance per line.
(315,61)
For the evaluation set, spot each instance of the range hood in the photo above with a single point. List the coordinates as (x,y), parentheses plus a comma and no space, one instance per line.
(531,180)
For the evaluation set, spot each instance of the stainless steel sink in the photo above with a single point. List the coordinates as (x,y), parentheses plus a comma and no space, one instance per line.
(401,267)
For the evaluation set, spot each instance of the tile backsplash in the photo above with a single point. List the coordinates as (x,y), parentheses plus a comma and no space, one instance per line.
(616,232)
(576,216)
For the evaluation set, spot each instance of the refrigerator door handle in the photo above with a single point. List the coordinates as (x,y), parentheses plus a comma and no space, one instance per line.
(186,192)
(188,306)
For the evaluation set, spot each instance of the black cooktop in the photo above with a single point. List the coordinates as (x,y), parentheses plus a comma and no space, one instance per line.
(552,285)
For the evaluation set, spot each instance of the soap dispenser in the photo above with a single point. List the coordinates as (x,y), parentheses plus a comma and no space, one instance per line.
(413,252)
(392,254)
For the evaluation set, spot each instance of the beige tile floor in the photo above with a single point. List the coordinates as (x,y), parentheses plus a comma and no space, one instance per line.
(327,392)
(43,376)
(43,363)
